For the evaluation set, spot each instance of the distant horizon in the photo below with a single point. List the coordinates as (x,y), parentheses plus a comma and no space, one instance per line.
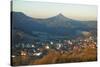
(53,16)
(44,10)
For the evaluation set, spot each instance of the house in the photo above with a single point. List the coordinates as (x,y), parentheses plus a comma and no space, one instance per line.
(23,53)
(51,42)
(69,42)
(13,56)
(47,47)
(37,54)
(33,45)
(58,45)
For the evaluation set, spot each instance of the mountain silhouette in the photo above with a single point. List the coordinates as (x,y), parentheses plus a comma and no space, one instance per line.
(51,27)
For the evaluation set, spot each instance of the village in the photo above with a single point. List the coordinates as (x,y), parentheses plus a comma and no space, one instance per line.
(38,50)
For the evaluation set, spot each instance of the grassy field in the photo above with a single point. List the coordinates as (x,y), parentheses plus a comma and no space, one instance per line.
(87,54)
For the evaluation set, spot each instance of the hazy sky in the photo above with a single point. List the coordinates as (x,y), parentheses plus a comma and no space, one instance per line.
(44,10)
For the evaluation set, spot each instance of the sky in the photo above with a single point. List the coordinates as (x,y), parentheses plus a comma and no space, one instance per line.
(46,9)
